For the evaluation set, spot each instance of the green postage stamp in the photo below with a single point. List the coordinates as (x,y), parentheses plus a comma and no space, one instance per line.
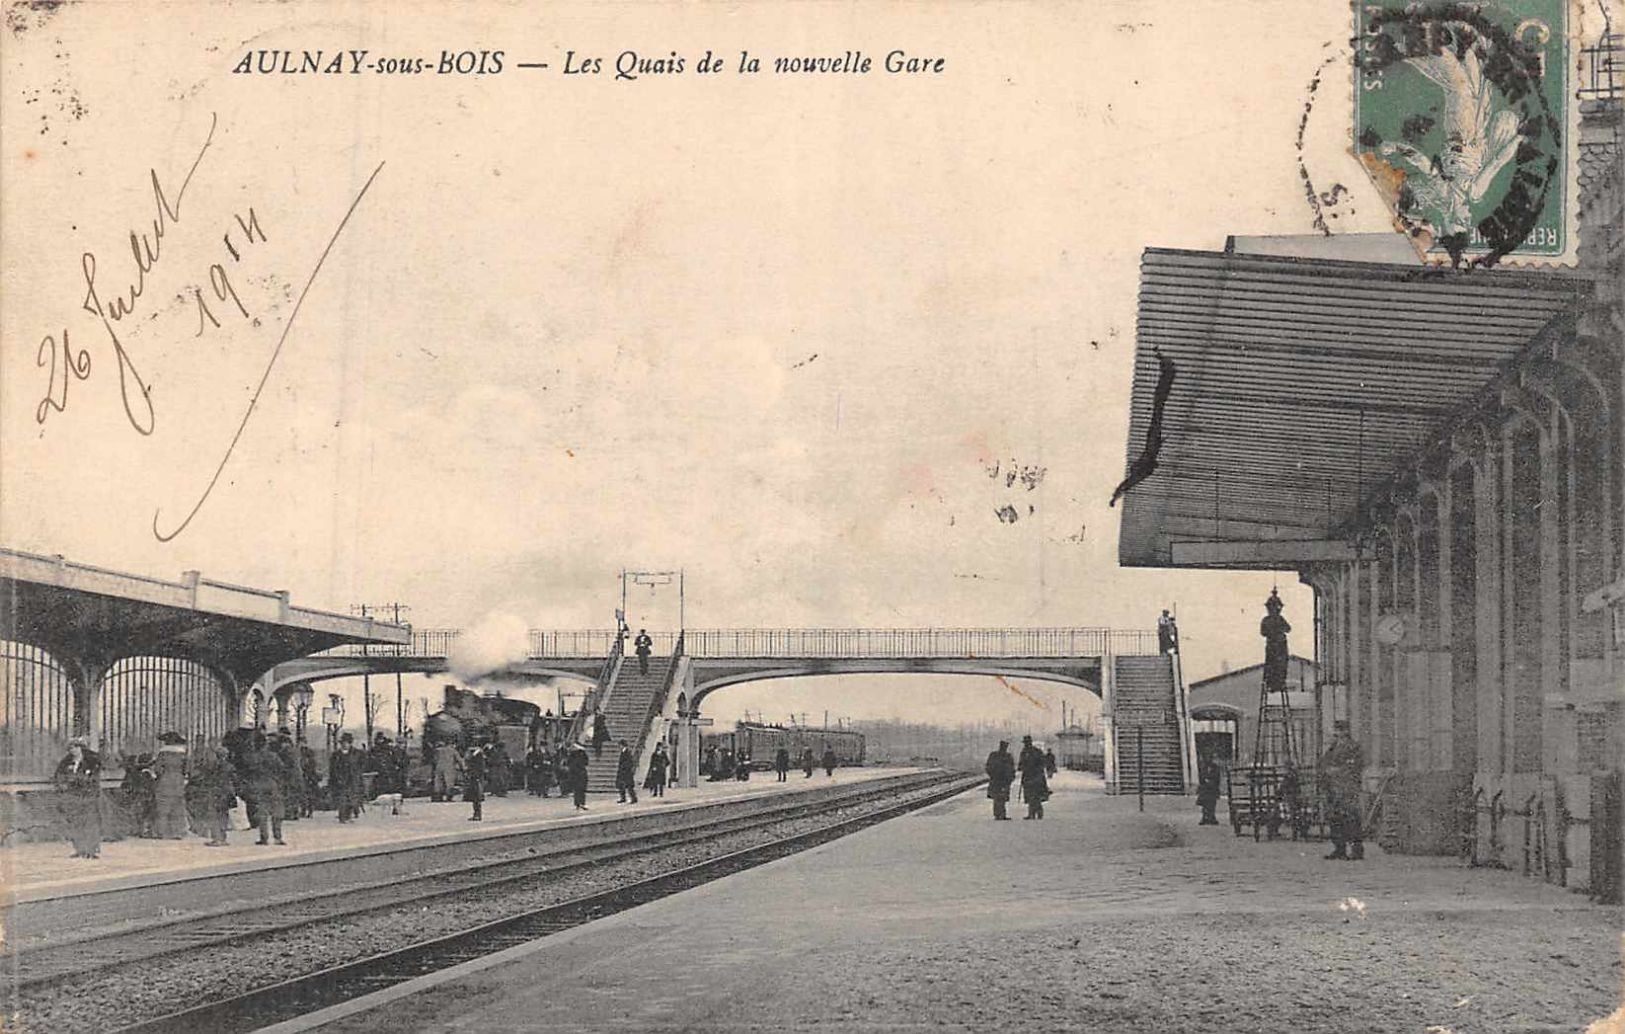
(1464,118)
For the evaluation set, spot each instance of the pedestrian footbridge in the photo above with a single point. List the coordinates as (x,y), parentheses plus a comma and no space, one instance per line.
(663,700)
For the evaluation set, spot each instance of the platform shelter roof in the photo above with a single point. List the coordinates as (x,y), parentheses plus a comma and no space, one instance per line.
(94,614)
(1298,383)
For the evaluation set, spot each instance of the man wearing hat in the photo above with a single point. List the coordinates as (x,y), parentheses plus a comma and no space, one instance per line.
(577,763)
(293,775)
(264,780)
(169,771)
(344,778)
(1001,772)
(1340,770)
(1274,628)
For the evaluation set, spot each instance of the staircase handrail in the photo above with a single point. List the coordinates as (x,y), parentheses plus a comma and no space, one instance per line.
(599,694)
(657,704)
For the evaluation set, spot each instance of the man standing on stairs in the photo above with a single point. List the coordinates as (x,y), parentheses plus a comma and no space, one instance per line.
(644,645)
(600,732)
(626,775)
(1001,772)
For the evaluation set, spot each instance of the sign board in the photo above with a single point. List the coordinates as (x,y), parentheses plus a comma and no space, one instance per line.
(702,721)
(1129,718)
(332,716)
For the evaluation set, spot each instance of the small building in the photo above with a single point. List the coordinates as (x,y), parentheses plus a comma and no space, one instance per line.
(1224,712)
(1078,748)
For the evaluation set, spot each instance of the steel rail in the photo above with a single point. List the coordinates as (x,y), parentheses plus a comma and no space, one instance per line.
(54,963)
(301,995)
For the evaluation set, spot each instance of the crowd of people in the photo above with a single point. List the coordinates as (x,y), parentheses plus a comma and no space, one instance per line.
(275,778)
(719,764)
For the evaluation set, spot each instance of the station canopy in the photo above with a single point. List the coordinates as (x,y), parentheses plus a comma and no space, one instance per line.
(1299,381)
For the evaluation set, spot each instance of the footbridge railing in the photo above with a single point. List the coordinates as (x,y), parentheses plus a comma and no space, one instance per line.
(852,643)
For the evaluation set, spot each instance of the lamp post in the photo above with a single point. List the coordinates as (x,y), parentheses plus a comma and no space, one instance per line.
(301,699)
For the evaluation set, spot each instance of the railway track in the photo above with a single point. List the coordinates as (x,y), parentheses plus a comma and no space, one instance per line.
(71,958)
(297,996)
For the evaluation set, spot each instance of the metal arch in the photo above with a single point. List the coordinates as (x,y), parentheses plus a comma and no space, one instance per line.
(704,689)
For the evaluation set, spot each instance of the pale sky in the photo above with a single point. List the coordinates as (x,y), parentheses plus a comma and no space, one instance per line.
(775,330)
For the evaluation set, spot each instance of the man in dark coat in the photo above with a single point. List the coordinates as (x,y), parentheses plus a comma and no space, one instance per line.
(659,762)
(830,761)
(1274,628)
(1034,785)
(1341,768)
(808,762)
(140,793)
(600,732)
(1207,791)
(78,778)
(626,781)
(644,646)
(264,777)
(499,769)
(781,763)
(312,779)
(1001,772)
(211,794)
(577,764)
(1049,762)
(169,770)
(561,768)
(538,770)
(293,789)
(344,780)
(476,767)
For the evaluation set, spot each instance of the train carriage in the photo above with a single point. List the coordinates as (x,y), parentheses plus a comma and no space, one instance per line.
(761,742)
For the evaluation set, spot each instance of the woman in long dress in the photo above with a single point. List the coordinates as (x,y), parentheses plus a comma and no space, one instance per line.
(79,778)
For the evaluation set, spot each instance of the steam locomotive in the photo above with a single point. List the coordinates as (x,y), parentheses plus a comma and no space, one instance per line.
(468,718)
(761,742)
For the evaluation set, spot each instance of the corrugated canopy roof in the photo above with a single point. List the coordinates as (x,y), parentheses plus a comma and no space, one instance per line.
(1299,383)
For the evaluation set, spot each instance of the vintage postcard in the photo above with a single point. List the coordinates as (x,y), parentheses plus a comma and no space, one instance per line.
(587,516)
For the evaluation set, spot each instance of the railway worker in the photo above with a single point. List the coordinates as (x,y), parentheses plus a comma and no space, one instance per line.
(659,763)
(1341,768)
(600,732)
(210,792)
(78,778)
(781,762)
(1207,791)
(830,761)
(1274,629)
(1001,772)
(644,646)
(264,778)
(577,764)
(446,766)
(293,775)
(808,763)
(626,775)
(344,780)
(169,787)
(476,767)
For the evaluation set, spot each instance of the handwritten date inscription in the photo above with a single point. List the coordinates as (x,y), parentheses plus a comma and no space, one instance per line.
(214,297)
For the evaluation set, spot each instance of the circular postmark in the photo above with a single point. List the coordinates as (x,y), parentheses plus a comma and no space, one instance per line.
(1456,125)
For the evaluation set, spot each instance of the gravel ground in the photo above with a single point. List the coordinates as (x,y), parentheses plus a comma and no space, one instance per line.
(1097,919)
(140,990)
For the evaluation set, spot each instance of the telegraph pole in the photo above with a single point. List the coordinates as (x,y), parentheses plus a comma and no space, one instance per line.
(395,609)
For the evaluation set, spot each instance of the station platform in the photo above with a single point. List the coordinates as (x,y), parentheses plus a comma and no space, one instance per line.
(37,872)
(1097,918)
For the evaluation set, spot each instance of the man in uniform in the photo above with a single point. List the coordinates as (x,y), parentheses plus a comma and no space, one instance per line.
(1340,770)
(1001,772)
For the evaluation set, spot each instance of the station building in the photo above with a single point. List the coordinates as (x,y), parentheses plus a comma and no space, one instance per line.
(1440,455)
